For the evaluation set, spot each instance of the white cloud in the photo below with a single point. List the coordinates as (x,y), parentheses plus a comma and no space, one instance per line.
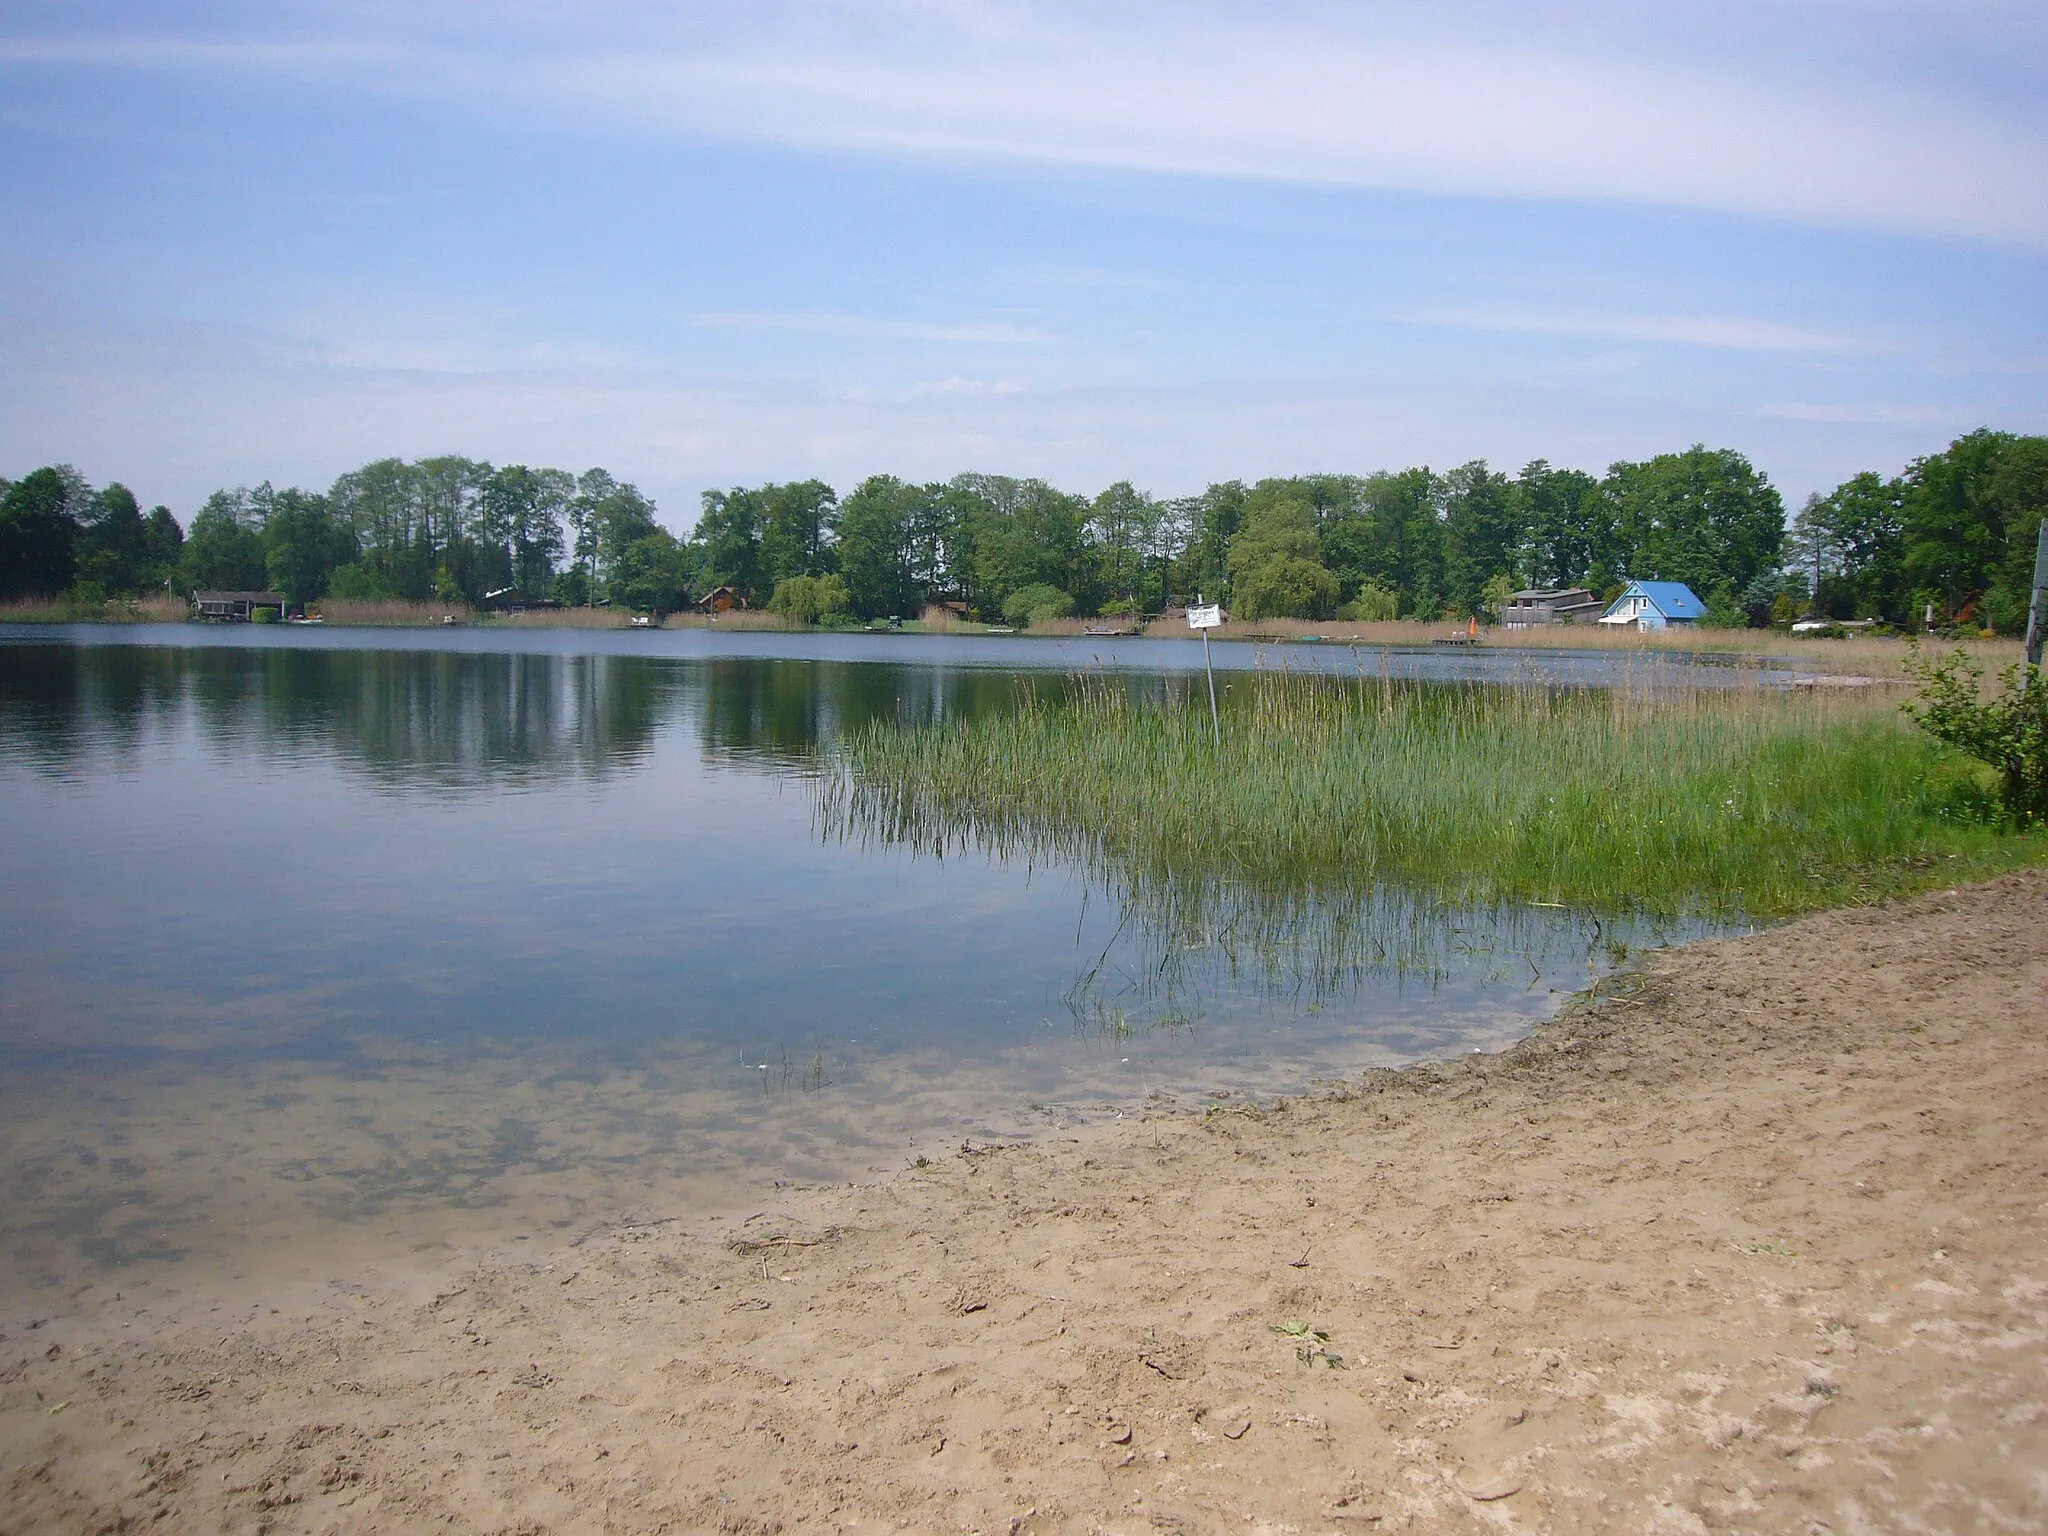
(1723,331)
(866,326)
(1852,415)
(1828,117)
(175,411)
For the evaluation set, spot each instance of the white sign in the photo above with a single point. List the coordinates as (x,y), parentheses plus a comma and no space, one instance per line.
(1210,617)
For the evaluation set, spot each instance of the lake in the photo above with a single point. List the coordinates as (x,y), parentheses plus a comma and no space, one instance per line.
(325,952)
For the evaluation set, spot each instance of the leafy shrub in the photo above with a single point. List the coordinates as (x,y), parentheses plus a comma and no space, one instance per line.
(1494,598)
(2009,732)
(357,583)
(1283,587)
(1029,605)
(810,599)
(1374,604)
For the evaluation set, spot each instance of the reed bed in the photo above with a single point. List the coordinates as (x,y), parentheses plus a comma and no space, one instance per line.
(1868,655)
(565,618)
(393,612)
(155,609)
(1636,799)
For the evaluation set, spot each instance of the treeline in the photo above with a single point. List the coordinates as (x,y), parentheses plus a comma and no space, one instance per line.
(1954,530)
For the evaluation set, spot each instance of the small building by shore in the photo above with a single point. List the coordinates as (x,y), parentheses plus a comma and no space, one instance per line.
(512,602)
(1656,605)
(235,607)
(1534,607)
(720,600)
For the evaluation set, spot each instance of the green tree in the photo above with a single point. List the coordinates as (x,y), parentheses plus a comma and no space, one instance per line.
(1482,534)
(1276,568)
(224,551)
(653,573)
(521,526)
(1123,524)
(1212,520)
(799,524)
(1013,533)
(165,542)
(1970,513)
(1388,532)
(384,505)
(113,546)
(1035,604)
(808,599)
(879,527)
(1850,545)
(1374,604)
(728,535)
(39,533)
(1702,517)
(1569,529)
(303,544)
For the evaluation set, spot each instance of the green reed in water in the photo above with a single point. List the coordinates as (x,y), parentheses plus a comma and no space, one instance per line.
(1690,801)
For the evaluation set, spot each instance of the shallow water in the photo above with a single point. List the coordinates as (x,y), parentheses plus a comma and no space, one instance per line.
(330,949)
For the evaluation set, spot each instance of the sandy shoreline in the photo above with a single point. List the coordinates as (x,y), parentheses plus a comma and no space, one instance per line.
(1762,1246)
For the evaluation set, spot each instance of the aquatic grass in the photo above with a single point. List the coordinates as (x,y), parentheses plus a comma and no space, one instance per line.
(1641,798)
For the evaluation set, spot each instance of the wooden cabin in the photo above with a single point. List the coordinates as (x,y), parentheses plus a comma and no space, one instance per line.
(720,600)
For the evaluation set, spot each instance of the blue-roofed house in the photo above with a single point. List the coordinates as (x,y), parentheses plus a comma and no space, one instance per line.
(1654,605)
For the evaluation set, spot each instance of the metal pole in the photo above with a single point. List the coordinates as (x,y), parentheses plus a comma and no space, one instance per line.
(2037,610)
(1215,720)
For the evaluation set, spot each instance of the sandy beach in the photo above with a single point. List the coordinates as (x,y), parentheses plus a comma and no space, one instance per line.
(1755,1239)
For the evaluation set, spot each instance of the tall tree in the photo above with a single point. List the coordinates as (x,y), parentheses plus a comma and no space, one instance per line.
(1482,534)
(1276,568)
(113,546)
(1705,517)
(728,534)
(1212,519)
(879,528)
(799,523)
(1850,545)
(1970,513)
(1568,526)
(39,533)
(224,551)
(303,543)
(1121,524)
(165,542)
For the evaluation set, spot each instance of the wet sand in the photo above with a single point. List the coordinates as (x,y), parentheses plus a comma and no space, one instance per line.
(1755,1240)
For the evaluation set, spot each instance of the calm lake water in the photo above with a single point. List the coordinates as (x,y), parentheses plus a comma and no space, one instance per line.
(326,950)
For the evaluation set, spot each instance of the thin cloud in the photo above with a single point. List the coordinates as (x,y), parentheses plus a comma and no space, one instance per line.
(1461,99)
(999,333)
(1870,415)
(1669,330)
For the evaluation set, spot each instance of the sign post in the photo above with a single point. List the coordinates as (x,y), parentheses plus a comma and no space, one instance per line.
(1206,618)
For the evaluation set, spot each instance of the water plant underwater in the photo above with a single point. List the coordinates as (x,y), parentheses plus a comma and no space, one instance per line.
(1648,798)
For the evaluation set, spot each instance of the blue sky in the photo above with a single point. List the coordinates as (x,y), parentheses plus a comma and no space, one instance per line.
(707,244)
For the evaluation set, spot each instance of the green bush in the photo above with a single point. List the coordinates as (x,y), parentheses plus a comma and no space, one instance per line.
(1035,603)
(1283,587)
(1374,604)
(810,599)
(359,584)
(2009,732)
(262,615)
